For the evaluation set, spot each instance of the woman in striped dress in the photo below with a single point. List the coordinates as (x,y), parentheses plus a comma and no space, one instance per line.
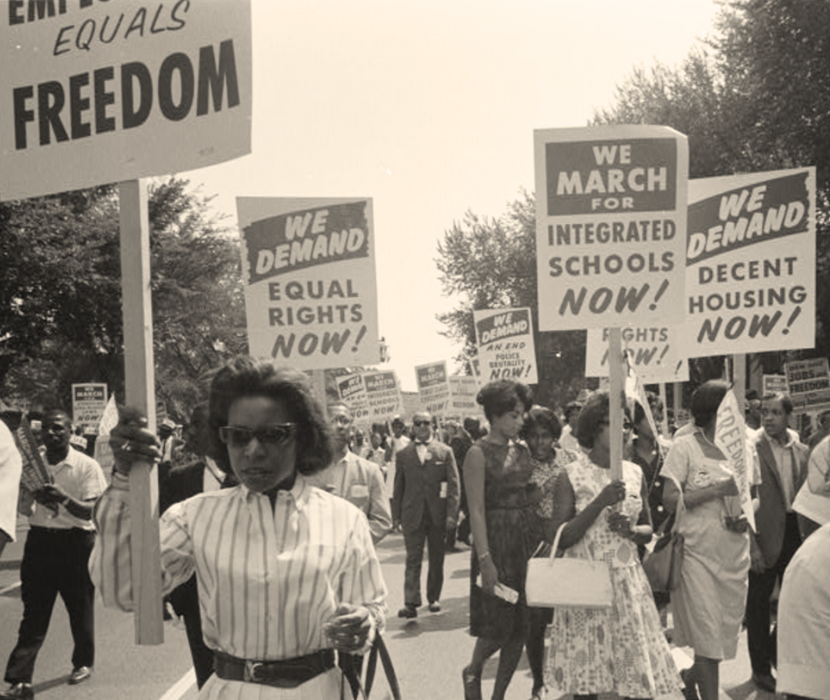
(286,572)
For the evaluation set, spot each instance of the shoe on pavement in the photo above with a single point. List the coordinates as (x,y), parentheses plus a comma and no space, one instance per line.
(408,612)
(18,691)
(764,681)
(79,675)
(435,606)
(540,693)
(472,684)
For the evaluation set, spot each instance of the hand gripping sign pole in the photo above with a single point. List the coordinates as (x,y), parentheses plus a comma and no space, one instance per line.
(139,375)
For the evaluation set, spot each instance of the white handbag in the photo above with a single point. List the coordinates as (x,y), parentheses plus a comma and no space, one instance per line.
(555,582)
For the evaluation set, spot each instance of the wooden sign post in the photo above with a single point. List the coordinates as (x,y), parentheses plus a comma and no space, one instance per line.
(616,400)
(139,377)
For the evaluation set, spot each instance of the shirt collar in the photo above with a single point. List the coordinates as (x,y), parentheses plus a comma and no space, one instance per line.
(787,442)
(299,493)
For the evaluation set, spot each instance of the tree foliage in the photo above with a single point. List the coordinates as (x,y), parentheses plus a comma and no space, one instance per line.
(491,263)
(754,96)
(60,294)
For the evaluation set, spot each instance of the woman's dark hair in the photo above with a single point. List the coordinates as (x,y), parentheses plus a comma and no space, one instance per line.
(706,399)
(245,377)
(592,417)
(654,403)
(544,419)
(500,397)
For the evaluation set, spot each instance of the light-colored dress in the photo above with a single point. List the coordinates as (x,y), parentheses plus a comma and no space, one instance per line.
(621,650)
(708,607)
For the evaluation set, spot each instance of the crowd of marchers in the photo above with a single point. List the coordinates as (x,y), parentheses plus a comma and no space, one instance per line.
(272,505)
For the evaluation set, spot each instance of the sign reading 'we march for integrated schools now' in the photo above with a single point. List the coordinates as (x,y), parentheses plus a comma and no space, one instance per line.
(505,345)
(610,226)
(750,263)
(308,266)
(98,92)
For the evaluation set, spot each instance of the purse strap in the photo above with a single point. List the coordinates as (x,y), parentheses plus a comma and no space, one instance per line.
(555,547)
(378,649)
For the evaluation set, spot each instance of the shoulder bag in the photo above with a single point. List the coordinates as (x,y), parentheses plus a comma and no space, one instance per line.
(554,582)
(664,563)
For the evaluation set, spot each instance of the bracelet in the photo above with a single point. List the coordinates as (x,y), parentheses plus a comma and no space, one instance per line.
(482,557)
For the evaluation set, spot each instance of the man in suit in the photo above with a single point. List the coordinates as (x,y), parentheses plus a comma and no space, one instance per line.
(354,478)
(181,483)
(782,461)
(425,504)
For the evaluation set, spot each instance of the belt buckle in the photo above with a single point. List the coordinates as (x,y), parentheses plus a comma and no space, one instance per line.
(249,675)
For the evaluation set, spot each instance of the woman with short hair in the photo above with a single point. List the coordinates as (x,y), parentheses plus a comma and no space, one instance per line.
(708,606)
(541,432)
(500,497)
(621,649)
(286,571)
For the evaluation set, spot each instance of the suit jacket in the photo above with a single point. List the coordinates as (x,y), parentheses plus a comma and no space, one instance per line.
(180,484)
(360,482)
(771,516)
(419,486)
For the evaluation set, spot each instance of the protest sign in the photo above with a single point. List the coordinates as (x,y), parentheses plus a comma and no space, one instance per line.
(98,92)
(610,226)
(352,392)
(750,263)
(383,392)
(462,402)
(730,437)
(505,344)
(773,383)
(433,387)
(374,397)
(88,404)
(652,352)
(808,383)
(308,266)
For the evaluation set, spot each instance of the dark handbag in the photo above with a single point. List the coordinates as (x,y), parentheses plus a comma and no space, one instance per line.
(663,565)
(378,649)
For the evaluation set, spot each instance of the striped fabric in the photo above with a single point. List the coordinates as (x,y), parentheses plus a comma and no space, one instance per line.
(268,580)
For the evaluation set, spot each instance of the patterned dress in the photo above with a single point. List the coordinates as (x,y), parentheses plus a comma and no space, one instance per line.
(621,650)
(510,501)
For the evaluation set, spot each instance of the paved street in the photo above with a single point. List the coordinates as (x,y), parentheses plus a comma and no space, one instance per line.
(429,652)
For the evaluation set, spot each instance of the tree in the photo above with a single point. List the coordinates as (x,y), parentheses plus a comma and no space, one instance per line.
(60,296)
(491,264)
(757,98)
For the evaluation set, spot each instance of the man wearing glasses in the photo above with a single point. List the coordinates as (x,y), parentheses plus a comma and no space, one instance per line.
(354,478)
(425,504)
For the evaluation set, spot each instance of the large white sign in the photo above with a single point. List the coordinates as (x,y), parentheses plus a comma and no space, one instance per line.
(505,344)
(99,92)
(309,271)
(610,226)
(750,263)
(652,353)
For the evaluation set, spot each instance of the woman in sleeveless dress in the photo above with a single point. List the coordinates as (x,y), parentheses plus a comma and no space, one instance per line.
(502,501)
(621,649)
(708,606)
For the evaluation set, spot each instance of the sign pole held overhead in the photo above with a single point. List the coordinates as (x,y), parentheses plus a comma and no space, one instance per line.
(140,383)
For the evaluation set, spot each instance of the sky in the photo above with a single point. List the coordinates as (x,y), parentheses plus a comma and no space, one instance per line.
(429,107)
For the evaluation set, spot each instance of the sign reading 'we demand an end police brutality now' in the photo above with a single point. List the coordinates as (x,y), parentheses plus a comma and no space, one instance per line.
(610,226)
(99,92)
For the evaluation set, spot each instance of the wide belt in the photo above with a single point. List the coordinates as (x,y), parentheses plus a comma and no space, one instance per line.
(284,673)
